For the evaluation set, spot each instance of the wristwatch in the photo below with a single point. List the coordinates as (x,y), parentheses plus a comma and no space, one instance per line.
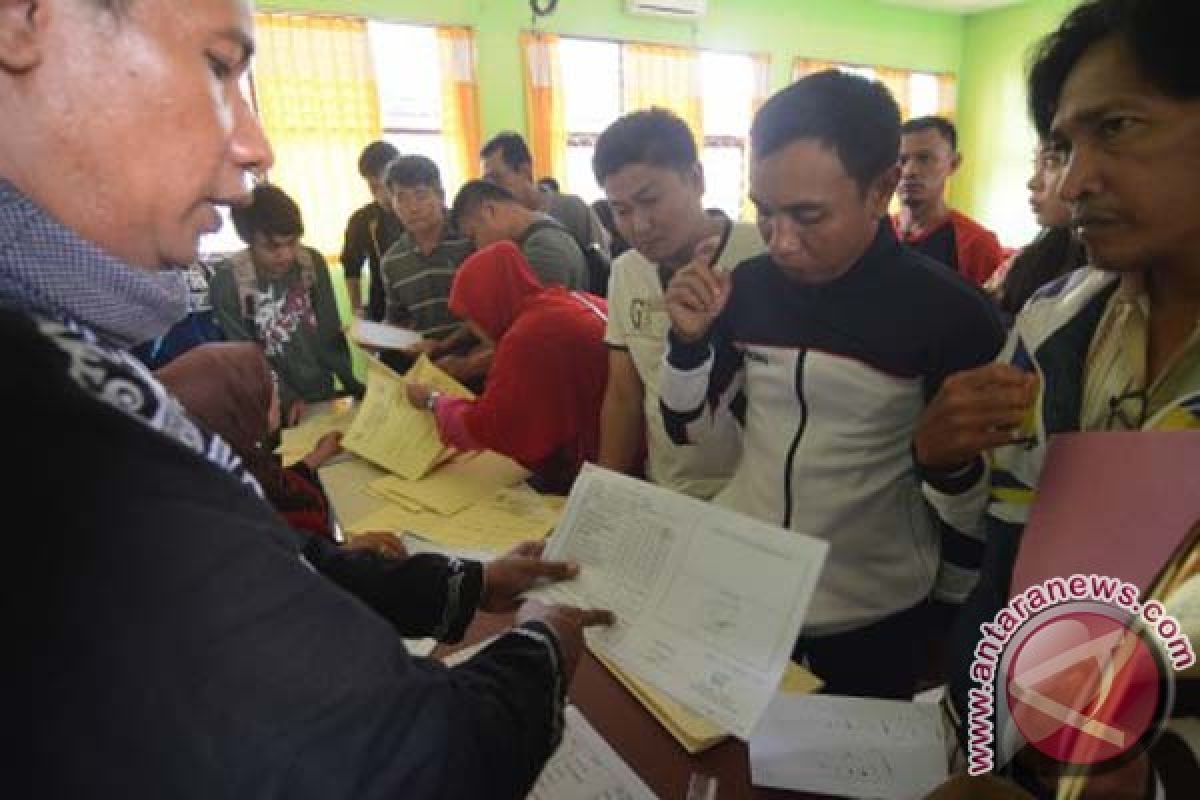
(431,401)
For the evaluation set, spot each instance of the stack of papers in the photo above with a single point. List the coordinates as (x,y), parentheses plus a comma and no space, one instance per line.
(460,483)
(498,523)
(695,733)
(299,441)
(389,432)
(585,767)
(708,602)
(849,746)
(383,337)
(347,485)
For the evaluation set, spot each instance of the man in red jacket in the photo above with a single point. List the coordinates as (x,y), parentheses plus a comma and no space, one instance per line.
(928,157)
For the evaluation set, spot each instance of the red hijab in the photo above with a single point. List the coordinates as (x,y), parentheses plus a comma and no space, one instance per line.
(493,287)
(541,405)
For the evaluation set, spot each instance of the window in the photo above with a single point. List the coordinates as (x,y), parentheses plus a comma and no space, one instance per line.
(592,100)
(923,94)
(727,83)
(408,76)
(919,94)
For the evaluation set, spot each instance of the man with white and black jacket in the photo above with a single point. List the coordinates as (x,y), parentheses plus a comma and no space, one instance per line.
(838,338)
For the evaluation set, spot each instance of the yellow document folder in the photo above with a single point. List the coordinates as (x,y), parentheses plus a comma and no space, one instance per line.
(692,731)
(500,522)
(388,431)
(458,484)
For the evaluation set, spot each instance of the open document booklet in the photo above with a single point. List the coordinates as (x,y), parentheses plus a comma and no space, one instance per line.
(708,602)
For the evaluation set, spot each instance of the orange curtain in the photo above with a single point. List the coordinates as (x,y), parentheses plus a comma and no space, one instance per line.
(316,94)
(803,67)
(666,77)
(762,93)
(762,81)
(460,105)
(545,113)
(947,95)
(898,83)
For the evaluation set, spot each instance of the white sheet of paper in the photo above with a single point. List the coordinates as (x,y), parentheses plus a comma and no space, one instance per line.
(585,767)
(849,746)
(383,337)
(420,647)
(708,602)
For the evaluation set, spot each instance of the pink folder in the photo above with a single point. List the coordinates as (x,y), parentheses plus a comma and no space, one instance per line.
(1113,504)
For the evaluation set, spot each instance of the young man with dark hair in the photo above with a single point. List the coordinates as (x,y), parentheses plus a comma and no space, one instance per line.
(181,643)
(651,173)
(371,231)
(1114,346)
(419,268)
(837,337)
(487,213)
(928,157)
(507,162)
(277,292)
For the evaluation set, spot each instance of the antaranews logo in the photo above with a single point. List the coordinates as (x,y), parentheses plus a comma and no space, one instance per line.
(1086,672)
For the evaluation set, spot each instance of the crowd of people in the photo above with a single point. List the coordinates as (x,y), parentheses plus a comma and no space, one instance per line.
(858,376)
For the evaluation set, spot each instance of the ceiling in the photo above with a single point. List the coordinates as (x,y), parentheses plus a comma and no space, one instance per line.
(960,6)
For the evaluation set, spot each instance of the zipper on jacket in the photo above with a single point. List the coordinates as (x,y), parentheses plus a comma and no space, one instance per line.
(791,456)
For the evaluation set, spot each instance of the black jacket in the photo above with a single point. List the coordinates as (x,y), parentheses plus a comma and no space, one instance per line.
(182,644)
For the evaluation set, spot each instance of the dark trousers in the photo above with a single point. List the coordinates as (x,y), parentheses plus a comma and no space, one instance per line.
(882,659)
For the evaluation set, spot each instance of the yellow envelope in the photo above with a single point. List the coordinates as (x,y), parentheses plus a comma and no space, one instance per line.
(500,522)
(692,731)
(458,484)
(388,431)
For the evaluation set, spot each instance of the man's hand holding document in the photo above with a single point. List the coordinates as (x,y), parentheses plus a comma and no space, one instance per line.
(708,602)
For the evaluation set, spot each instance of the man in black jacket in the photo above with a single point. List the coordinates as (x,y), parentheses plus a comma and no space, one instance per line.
(370,231)
(183,643)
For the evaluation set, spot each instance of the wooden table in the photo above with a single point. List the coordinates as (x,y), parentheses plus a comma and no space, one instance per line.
(652,752)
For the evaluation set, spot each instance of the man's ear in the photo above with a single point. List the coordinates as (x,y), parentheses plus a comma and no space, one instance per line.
(526,171)
(955,163)
(22,29)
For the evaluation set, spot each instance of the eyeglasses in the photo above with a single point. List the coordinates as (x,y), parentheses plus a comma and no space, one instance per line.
(1129,409)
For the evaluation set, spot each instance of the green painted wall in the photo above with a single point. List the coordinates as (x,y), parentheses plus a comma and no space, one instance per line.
(997,138)
(859,31)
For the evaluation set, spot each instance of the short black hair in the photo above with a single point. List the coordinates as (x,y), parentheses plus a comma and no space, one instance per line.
(270,211)
(855,117)
(1158,33)
(512,147)
(549,184)
(474,194)
(654,137)
(413,171)
(943,126)
(375,158)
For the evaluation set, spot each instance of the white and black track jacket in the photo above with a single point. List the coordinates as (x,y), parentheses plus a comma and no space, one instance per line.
(835,377)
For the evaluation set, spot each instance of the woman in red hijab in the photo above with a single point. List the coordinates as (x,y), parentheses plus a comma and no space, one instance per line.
(228,388)
(541,405)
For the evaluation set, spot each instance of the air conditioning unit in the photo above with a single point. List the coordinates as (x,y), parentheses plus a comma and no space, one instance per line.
(675,9)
